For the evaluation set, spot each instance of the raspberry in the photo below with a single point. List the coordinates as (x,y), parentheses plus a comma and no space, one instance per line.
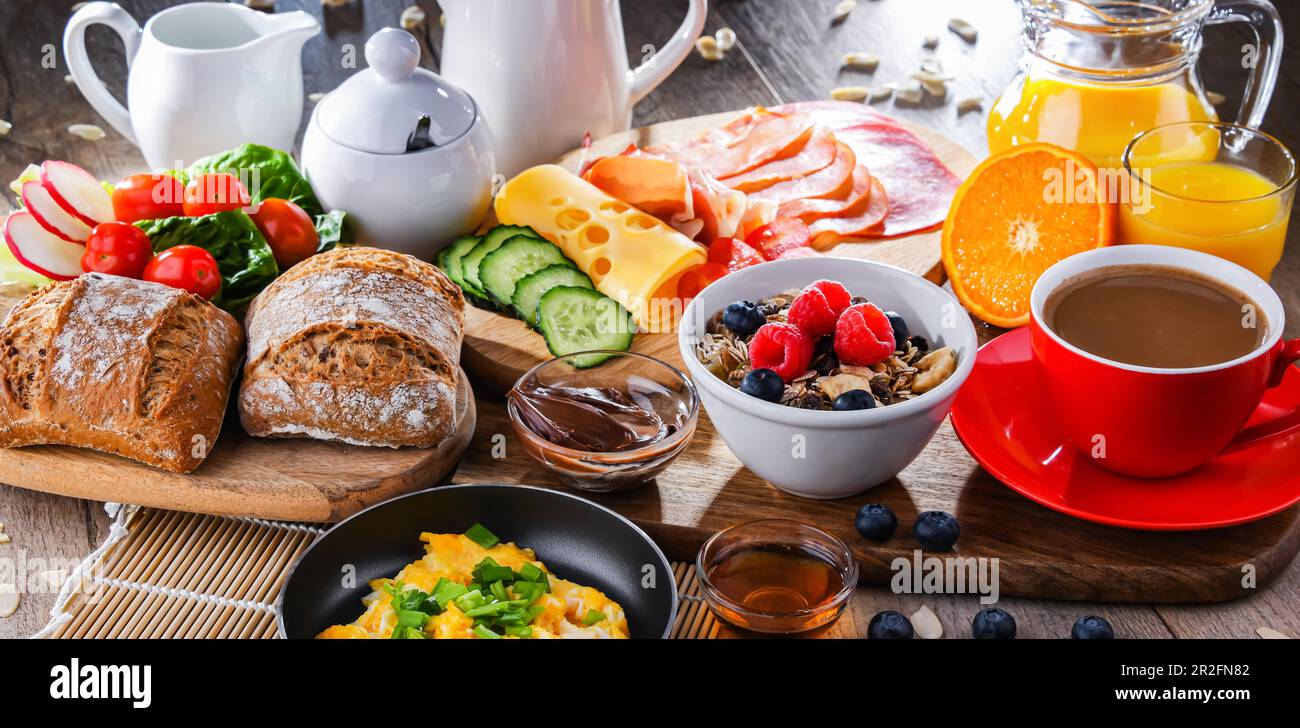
(817,307)
(781,347)
(863,335)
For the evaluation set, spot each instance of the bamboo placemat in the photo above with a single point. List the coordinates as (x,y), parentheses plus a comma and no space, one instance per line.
(164,574)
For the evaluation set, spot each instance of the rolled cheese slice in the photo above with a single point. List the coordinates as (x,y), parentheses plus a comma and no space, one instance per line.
(631,257)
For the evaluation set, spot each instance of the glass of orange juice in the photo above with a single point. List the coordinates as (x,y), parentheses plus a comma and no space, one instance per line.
(1215,187)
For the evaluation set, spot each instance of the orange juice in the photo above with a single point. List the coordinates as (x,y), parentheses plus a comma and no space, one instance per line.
(1215,207)
(1095,120)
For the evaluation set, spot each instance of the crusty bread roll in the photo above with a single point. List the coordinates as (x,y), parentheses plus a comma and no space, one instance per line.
(360,345)
(124,366)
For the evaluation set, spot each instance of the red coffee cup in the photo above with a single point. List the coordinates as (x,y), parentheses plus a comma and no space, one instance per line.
(1151,422)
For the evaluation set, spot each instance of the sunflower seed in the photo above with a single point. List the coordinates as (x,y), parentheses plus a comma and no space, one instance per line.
(412,18)
(932,65)
(4,538)
(315,97)
(5,127)
(963,28)
(1215,98)
(930,41)
(864,61)
(726,38)
(850,93)
(1270,634)
(843,9)
(708,49)
(970,103)
(89,132)
(8,600)
(68,79)
(911,94)
(260,4)
(880,93)
(926,625)
(334,3)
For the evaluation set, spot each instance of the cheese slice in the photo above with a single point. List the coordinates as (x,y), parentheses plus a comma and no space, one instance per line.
(631,257)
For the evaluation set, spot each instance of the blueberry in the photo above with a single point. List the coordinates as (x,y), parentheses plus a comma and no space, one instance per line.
(854,399)
(764,384)
(876,522)
(1092,627)
(936,530)
(743,318)
(900,330)
(889,626)
(993,624)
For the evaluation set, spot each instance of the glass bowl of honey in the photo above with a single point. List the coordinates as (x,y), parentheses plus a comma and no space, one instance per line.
(604,428)
(776,576)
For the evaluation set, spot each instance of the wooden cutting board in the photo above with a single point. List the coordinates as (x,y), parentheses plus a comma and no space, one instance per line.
(1038,552)
(284,479)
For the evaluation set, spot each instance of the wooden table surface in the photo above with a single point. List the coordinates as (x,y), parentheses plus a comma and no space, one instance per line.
(788,50)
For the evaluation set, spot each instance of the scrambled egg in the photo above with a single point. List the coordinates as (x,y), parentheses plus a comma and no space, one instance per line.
(454,556)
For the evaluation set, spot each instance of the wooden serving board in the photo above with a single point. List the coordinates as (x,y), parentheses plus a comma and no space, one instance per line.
(287,479)
(1039,552)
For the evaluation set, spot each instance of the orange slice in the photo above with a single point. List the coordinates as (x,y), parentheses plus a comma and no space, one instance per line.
(1017,214)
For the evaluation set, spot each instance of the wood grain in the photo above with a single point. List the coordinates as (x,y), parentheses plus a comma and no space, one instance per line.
(288,479)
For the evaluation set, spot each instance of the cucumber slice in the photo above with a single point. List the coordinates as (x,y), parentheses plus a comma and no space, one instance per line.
(492,240)
(574,319)
(451,261)
(517,257)
(530,289)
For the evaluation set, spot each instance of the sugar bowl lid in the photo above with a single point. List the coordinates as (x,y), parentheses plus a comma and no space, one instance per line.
(394,106)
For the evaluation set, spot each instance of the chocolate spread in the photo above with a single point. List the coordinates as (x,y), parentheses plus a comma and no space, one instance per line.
(591,419)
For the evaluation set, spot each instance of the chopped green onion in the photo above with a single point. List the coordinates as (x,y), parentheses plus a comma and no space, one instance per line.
(493,608)
(498,590)
(446,592)
(479,534)
(527,591)
(519,630)
(593,617)
(529,572)
(482,632)
(411,633)
(470,600)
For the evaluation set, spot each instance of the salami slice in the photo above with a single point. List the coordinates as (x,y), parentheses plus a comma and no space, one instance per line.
(834,181)
(830,231)
(919,186)
(837,115)
(816,154)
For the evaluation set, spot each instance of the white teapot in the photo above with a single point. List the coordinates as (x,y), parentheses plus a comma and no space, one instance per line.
(408,155)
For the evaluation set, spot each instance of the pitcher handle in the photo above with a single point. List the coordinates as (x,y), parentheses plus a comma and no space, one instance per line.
(1263,19)
(656,68)
(83,73)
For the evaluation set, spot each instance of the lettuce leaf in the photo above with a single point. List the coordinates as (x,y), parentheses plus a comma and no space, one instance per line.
(243,256)
(266,172)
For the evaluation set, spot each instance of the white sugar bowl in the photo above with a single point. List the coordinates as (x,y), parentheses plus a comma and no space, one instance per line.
(405,153)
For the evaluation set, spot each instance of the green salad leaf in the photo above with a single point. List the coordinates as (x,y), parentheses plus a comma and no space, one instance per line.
(332,230)
(266,172)
(243,256)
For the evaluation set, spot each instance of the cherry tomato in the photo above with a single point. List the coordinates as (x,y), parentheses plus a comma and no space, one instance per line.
(697,279)
(148,197)
(780,235)
(117,248)
(288,229)
(187,267)
(218,192)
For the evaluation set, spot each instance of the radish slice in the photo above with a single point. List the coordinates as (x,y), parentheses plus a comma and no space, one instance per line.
(77,191)
(41,250)
(51,216)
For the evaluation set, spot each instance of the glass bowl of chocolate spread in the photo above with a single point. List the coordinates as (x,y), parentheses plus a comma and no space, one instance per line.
(607,428)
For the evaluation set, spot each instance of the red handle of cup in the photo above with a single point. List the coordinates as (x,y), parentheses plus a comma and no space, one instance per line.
(1278,426)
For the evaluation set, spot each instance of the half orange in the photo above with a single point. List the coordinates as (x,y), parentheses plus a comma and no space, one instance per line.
(1018,213)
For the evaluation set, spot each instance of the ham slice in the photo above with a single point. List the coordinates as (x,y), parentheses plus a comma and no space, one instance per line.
(816,154)
(835,180)
(720,208)
(810,209)
(919,186)
(655,186)
(831,231)
(757,137)
(837,115)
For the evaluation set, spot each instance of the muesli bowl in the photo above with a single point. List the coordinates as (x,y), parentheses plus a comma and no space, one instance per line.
(817,453)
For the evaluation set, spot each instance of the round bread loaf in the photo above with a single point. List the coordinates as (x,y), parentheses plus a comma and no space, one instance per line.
(358,344)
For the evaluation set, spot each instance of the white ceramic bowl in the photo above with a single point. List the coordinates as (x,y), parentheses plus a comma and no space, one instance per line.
(415,203)
(820,454)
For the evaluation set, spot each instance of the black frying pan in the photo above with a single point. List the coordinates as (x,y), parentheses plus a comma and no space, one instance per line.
(576,539)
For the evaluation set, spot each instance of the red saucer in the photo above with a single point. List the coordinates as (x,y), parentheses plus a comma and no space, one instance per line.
(1004,421)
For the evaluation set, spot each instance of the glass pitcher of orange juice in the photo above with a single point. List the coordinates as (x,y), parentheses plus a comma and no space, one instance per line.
(1096,73)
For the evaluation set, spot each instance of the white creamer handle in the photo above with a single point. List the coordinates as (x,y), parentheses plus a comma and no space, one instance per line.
(657,67)
(74,54)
